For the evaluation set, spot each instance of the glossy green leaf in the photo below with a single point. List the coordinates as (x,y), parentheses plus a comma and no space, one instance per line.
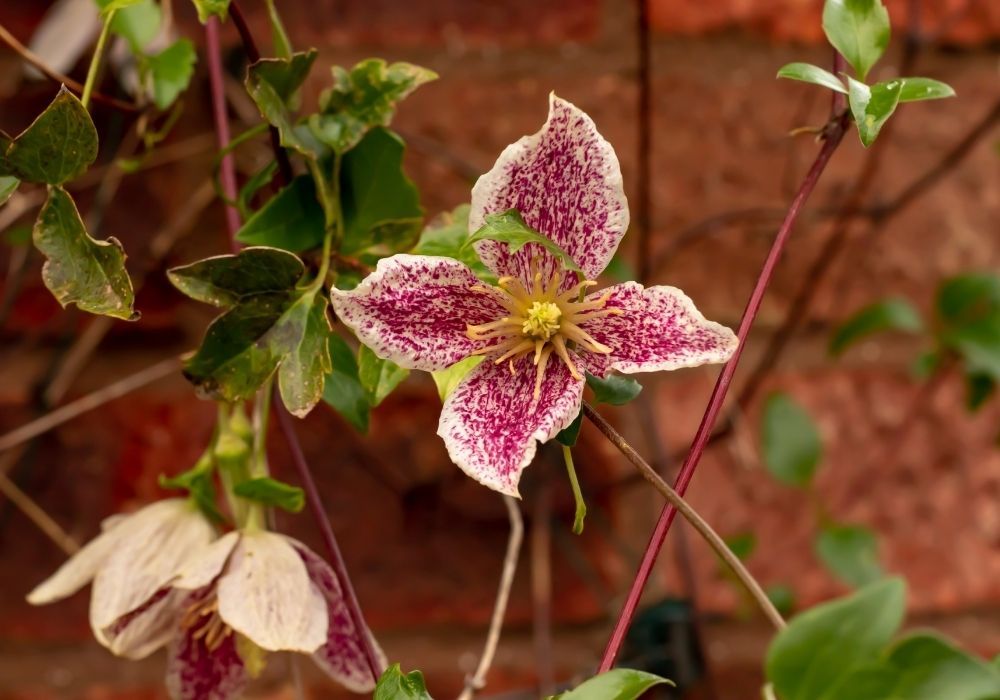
(979,345)
(872,106)
(616,684)
(919,89)
(274,110)
(510,228)
(808,73)
(859,29)
(886,315)
(850,552)
(979,388)
(59,144)
(171,71)
(363,98)
(446,235)
(613,389)
(225,279)
(380,204)
(286,75)
(791,443)
(379,377)
(968,299)
(279,37)
(342,389)
(8,186)
(396,685)
(568,435)
(209,8)
(78,269)
(300,338)
(447,379)
(138,24)
(272,492)
(197,482)
(291,220)
(825,644)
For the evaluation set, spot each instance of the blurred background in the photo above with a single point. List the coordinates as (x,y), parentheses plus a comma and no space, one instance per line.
(717,166)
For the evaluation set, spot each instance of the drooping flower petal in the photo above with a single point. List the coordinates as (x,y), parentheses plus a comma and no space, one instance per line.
(206,563)
(566,183)
(76,572)
(415,309)
(659,328)
(144,630)
(342,657)
(490,422)
(152,546)
(265,594)
(196,673)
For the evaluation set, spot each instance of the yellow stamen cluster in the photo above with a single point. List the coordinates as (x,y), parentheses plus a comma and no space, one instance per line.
(204,618)
(541,320)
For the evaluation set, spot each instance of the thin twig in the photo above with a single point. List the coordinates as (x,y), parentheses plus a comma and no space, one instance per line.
(227,168)
(38,516)
(697,522)
(645,143)
(478,679)
(541,582)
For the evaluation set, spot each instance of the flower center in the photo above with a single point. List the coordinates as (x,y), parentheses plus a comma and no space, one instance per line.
(541,320)
(203,617)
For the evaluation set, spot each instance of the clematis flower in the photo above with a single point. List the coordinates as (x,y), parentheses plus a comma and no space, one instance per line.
(538,328)
(252,592)
(133,611)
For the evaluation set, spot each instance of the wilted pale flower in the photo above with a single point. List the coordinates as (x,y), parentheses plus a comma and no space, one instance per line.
(133,610)
(251,592)
(428,313)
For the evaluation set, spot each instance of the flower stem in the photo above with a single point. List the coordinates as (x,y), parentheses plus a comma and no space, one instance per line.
(832,136)
(95,60)
(581,506)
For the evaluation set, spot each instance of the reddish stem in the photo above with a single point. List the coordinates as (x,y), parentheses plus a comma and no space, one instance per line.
(832,137)
(227,169)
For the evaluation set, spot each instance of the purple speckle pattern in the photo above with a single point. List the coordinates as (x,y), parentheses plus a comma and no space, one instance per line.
(414,310)
(659,329)
(566,182)
(195,673)
(342,657)
(491,425)
(152,625)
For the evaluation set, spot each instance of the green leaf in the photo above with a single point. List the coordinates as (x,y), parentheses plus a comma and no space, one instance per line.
(363,98)
(613,389)
(821,646)
(617,684)
(850,552)
(197,481)
(925,667)
(919,89)
(968,299)
(510,228)
(379,377)
(208,8)
(274,110)
(742,544)
(568,435)
(224,280)
(292,220)
(279,37)
(446,236)
(380,204)
(343,389)
(889,314)
(8,186)
(808,73)
(447,379)
(109,6)
(791,442)
(171,71)
(138,24)
(300,337)
(979,388)
(59,144)
(859,29)
(272,492)
(285,75)
(251,187)
(5,142)
(872,106)
(396,685)
(78,269)
(979,345)
(782,597)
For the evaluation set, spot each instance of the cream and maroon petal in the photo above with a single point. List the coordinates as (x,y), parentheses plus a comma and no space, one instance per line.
(144,630)
(206,563)
(491,423)
(196,673)
(658,328)
(342,657)
(415,309)
(76,572)
(566,183)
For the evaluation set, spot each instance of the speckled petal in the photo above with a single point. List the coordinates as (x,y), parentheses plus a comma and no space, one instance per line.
(342,657)
(195,673)
(206,563)
(414,310)
(144,630)
(491,424)
(659,329)
(566,182)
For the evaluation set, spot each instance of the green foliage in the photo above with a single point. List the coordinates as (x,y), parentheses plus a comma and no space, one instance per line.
(379,377)
(343,389)
(919,89)
(209,8)
(820,648)
(568,435)
(968,310)
(447,379)
(858,29)
(617,684)
(171,71)
(138,23)
(300,338)
(225,280)
(510,228)
(279,37)
(78,269)
(742,544)
(791,442)
(872,106)
(808,73)
(396,685)
(850,552)
(58,146)
(980,387)
(613,389)
(272,492)
(292,220)
(110,6)
(363,98)
(889,314)
(197,481)
(285,75)
(272,101)
(446,236)
(8,186)
(781,596)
